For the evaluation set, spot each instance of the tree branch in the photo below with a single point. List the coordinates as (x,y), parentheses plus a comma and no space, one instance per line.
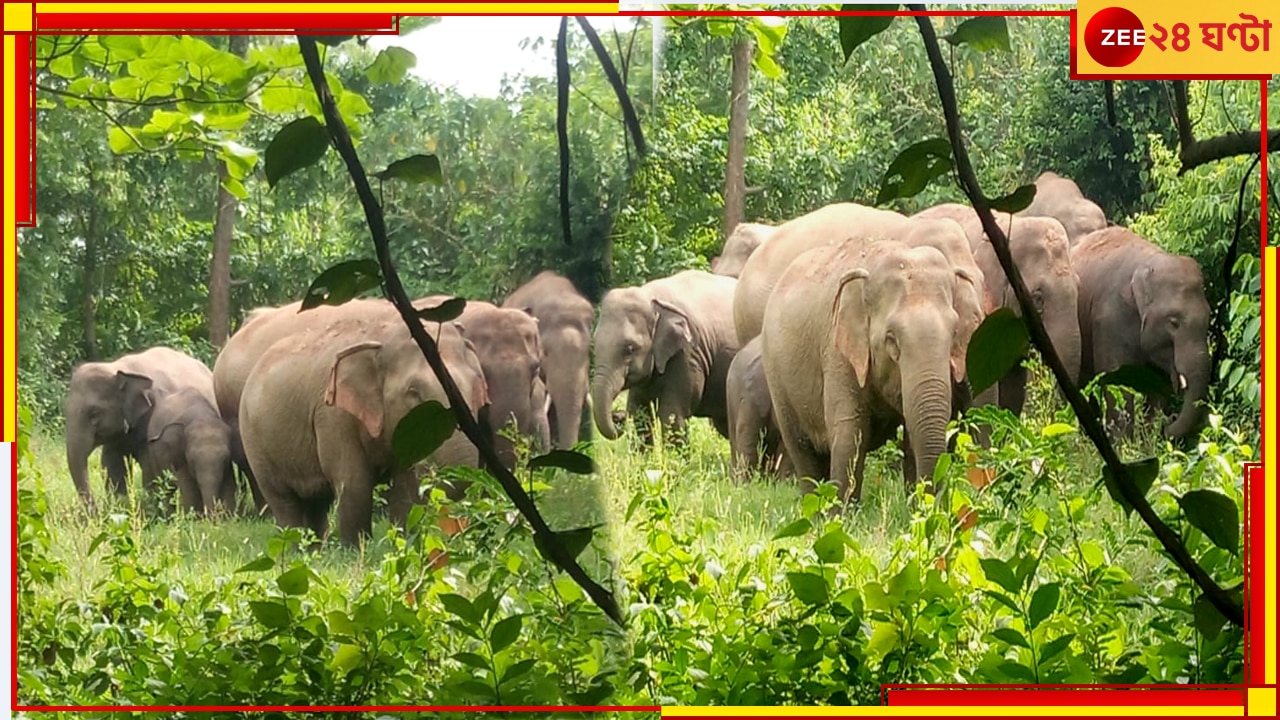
(1193,153)
(562,124)
(1089,420)
(1228,267)
(396,293)
(619,88)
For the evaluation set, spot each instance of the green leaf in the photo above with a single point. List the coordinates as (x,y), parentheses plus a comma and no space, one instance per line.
(1214,514)
(272,615)
(415,169)
(120,141)
(574,462)
(857,29)
(472,660)
(884,638)
(1011,636)
(998,572)
(574,541)
(295,581)
(391,65)
(127,87)
(795,529)
(1055,646)
(235,187)
(1017,672)
(914,168)
(1017,200)
(1207,618)
(460,608)
(342,282)
(767,66)
(1139,378)
(444,312)
(1003,600)
(347,657)
(70,66)
(518,670)
(769,30)
(998,345)
(1043,604)
(984,33)
(810,589)
(1143,472)
(720,27)
(505,632)
(280,97)
(263,563)
(1055,429)
(421,432)
(298,145)
(830,547)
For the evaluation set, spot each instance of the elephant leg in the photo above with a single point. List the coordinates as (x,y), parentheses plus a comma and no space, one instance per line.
(355,510)
(909,476)
(743,445)
(190,492)
(80,444)
(401,496)
(227,493)
(241,461)
(806,464)
(849,429)
(1013,389)
(117,475)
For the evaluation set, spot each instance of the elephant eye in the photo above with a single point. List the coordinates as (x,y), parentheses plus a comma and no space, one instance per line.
(1174,321)
(629,348)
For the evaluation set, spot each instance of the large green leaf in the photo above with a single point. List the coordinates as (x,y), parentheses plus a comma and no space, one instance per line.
(795,529)
(505,632)
(573,541)
(271,614)
(1142,379)
(857,29)
(391,65)
(998,572)
(421,432)
(1043,604)
(342,282)
(914,168)
(830,547)
(996,347)
(444,312)
(294,581)
(298,145)
(574,462)
(414,169)
(984,33)
(1011,636)
(1017,200)
(1214,514)
(810,589)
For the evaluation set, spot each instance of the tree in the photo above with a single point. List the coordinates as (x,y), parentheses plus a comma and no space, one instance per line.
(223,228)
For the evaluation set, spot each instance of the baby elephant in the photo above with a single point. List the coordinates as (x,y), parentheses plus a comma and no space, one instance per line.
(751,414)
(187,436)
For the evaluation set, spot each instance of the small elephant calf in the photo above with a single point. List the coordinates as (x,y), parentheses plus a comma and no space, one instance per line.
(188,437)
(751,414)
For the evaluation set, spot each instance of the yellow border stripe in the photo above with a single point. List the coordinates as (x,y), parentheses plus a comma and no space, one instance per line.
(1268,571)
(944,711)
(10,241)
(511,8)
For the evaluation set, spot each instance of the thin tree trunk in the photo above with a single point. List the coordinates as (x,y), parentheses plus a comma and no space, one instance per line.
(735,170)
(223,232)
(91,275)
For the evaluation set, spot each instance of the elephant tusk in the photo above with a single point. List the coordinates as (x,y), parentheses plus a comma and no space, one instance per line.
(1182,381)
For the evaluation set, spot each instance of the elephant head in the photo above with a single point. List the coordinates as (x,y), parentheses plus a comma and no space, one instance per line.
(137,396)
(741,243)
(380,381)
(895,324)
(1169,297)
(636,338)
(508,344)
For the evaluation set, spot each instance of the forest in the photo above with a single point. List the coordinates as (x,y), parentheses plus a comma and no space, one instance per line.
(185,181)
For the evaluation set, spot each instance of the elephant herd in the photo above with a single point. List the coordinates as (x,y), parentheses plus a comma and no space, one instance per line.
(815,339)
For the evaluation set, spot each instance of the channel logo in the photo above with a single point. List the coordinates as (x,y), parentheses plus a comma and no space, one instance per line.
(1114,37)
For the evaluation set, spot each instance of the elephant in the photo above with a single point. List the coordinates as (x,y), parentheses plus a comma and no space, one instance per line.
(109,404)
(186,435)
(745,239)
(318,412)
(750,414)
(860,338)
(669,342)
(1141,305)
(1042,253)
(1060,198)
(507,342)
(262,328)
(564,328)
(828,225)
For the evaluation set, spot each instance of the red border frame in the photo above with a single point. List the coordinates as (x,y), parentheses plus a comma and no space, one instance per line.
(915,695)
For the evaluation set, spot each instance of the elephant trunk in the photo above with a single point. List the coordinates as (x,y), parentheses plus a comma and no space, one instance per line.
(568,391)
(80,437)
(926,408)
(1191,365)
(605,386)
(1064,331)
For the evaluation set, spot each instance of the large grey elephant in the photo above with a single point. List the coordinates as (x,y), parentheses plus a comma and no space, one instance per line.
(1060,198)
(745,239)
(187,436)
(825,226)
(859,339)
(318,412)
(754,441)
(668,342)
(1141,305)
(564,326)
(109,404)
(507,343)
(262,328)
(1040,250)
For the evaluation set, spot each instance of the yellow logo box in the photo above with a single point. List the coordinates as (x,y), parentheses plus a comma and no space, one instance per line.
(1176,39)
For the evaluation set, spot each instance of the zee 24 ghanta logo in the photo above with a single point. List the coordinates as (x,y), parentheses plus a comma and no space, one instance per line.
(1115,37)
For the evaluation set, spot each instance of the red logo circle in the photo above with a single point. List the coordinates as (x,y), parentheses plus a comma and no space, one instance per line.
(1114,37)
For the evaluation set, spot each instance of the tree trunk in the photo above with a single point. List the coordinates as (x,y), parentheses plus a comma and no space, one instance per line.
(223,230)
(735,170)
(90,269)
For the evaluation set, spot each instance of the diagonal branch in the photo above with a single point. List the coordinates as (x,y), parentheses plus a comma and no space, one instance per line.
(562,124)
(1089,419)
(396,293)
(1193,153)
(619,87)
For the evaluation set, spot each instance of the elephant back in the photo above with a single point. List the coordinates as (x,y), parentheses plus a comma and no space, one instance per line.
(823,227)
(169,370)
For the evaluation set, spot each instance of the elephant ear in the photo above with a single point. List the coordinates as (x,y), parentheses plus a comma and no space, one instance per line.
(671,334)
(1139,287)
(137,398)
(355,384)
(965,283)
(852,327)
